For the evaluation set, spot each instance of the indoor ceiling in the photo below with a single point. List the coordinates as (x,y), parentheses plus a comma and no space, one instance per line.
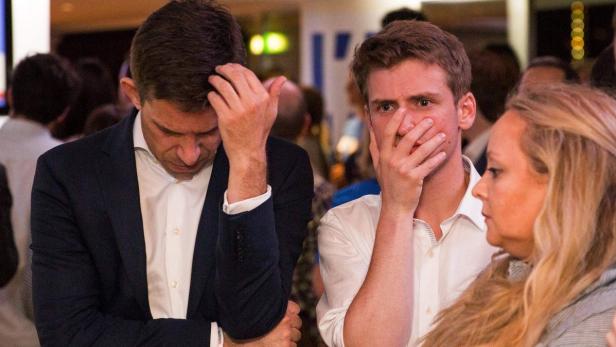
(96,15)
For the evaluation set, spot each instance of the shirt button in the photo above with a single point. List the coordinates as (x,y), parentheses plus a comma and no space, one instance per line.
(176,231)
(174,284)
(430,253)
(428,311)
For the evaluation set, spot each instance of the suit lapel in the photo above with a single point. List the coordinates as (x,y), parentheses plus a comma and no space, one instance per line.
(204,256)
(118,177)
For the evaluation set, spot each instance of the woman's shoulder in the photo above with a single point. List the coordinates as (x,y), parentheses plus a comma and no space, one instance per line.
(587,320)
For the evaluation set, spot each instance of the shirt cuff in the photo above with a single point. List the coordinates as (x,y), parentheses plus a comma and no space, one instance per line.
(246,205)
(216,338)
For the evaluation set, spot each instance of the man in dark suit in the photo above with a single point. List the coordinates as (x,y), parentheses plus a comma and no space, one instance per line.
(180,225)
(8,251)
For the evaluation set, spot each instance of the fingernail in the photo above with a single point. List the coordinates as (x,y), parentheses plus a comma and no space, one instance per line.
(429,121)
(441,136)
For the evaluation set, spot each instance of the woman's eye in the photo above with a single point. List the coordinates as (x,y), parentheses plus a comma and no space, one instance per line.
(494,172)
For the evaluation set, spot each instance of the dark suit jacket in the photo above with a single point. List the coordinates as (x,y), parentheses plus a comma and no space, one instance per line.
(8,251)
(89,261)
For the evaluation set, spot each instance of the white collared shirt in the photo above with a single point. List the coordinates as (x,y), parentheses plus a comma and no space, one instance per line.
(443,269)
(171,210)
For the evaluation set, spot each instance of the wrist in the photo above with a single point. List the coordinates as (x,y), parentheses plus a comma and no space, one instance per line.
(396,212)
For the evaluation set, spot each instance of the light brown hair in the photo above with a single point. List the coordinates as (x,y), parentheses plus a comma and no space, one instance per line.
(410,39)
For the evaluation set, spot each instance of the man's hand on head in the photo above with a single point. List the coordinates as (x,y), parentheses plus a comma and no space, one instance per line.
(246,112)
(285,334)
(246,109)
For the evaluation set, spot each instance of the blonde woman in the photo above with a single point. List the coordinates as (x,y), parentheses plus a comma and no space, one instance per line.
(549,196)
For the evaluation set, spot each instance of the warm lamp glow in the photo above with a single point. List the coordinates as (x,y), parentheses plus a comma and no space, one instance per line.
(256,45)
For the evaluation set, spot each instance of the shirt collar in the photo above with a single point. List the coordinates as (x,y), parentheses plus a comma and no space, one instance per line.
(470,206)
(138,139)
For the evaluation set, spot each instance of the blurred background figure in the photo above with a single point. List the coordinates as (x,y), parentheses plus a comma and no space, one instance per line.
(8,252)
(603,73)
(97,88)
(496,71)
(292,123)
(403,13)
(103,117)
(43,86)
(311,136)
(546,70)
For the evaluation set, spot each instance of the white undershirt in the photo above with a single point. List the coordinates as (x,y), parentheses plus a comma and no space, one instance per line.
(171,210)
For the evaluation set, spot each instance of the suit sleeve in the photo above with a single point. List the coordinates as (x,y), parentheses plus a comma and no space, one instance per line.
(66,288)
(257,251)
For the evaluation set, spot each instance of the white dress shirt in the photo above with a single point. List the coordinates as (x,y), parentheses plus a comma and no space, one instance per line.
(443,269)
(171,210)
(22,141)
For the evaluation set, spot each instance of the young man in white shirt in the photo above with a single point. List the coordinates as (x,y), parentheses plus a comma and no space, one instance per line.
(391,262)
(184,218)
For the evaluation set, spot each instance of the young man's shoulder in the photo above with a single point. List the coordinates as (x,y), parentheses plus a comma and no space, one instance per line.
(359,216)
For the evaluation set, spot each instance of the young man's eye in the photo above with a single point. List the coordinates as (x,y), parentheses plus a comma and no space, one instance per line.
(385,107)
(423,102)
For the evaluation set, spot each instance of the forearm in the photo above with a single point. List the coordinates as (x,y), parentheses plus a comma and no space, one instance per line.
(381,312)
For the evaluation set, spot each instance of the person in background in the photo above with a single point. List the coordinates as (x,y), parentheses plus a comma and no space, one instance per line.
(103,117)
(97,88)
(291,124)
(603,72)
(403,13)
(389,262)
(552,156)
(313,135)
(180,225)
(547,70)
(495,74)
(42,88)
(8,252)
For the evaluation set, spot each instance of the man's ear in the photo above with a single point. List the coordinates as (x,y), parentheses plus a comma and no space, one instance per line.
(467,108)
(130,89)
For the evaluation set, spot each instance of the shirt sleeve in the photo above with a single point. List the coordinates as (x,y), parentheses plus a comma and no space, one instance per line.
(216,339)
(344,266)
(246,205)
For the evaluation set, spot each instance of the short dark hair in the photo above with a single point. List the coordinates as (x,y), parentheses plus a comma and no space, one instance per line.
(314,104)
(410,39)
(603,73)
(403,13)
(103,117)
(557,63)
(97,88)
(42,87)
(177,48)
(495,75)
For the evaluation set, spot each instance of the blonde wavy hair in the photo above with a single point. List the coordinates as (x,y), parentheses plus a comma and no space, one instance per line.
(571,139)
